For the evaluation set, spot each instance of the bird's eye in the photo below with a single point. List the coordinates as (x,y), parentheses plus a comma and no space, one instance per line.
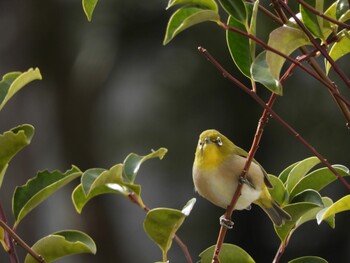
(219,141)
(200,144)
(206,140)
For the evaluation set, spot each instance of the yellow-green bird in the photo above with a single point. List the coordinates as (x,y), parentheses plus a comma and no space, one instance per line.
(217,169)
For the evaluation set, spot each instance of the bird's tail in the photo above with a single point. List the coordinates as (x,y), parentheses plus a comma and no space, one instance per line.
(276,213)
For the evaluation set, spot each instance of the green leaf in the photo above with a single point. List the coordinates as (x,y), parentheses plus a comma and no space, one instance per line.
(342,8)
(107,182)
(133,162)
(341,205)
(236,9)
(308,259)
(12,82)
(239,47)
(2,240)
(89,177)
(286,40)
(229,253)
(296,211)
(278,192)
(89,7)
(208,4)
(283,176)
(339,49)
(186,17)
(313,22)
(39,188)
(308,196)
(261,72)
(11,142)
(161,225)
(299,171)
(62,244)
(318,179)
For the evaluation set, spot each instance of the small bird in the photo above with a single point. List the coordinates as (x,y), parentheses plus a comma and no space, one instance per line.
(217,169)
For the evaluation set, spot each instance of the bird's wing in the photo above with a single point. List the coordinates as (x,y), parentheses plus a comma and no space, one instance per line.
(243,153)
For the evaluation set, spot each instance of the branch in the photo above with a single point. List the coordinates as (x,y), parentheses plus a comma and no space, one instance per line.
(20,242)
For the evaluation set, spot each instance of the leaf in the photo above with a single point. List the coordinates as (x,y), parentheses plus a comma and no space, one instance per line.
(308,196)
(133,162)
(283,176)
(2,240)
(161,224)
(341,205)
(299,171)
(278,192)
(229,253)
(11,142)
(89,7)
(339,49)
(308,259)
(62,244)
(261,72)
(186,17)
(284,39)
(107,182)
(313,22)
(318,179)
(208,4)
(39,188)
(89,177)
(12,82)
(296,211)
(342,8)
(236,9)
(238,46)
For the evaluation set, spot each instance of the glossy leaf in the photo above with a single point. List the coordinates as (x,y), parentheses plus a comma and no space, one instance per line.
(208,4)
(161,224)
(229,253)
(341,205)
(11,142)
(286,40)
(62,244)
(308,196)
(89,177)
(89,7)
(339,49)
(133,162)
(313,22)
(318,179)
(342,8)
(278,192)
(308,259)
(236,9)
(296,211)
(12,82)
(186,17)
(283,176)
(239,47)
(107,182)
(261,72)
(299,171)
(39,188)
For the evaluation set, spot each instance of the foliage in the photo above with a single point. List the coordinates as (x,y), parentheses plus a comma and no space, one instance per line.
(298,188)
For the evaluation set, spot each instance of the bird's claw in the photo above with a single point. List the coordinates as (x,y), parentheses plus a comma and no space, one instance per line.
(244,180)
(226,222)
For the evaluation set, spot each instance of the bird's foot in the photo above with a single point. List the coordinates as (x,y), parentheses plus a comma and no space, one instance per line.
(245,180)
(226,222)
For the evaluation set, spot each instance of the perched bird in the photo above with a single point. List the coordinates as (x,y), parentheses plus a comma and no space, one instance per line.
(217,169)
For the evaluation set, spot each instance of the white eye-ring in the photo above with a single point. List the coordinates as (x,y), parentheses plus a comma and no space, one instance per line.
(219,141)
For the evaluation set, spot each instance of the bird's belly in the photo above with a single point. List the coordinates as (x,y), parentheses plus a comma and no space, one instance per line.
(220,190)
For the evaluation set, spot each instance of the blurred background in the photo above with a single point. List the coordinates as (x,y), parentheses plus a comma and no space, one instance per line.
(110,88)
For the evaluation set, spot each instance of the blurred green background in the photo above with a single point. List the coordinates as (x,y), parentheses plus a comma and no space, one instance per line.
(110,88)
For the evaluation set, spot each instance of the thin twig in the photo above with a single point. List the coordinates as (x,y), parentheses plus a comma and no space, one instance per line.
(316,44)
(20,242)
(320,14)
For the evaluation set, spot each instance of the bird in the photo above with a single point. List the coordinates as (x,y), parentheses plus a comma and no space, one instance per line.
(217,169)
